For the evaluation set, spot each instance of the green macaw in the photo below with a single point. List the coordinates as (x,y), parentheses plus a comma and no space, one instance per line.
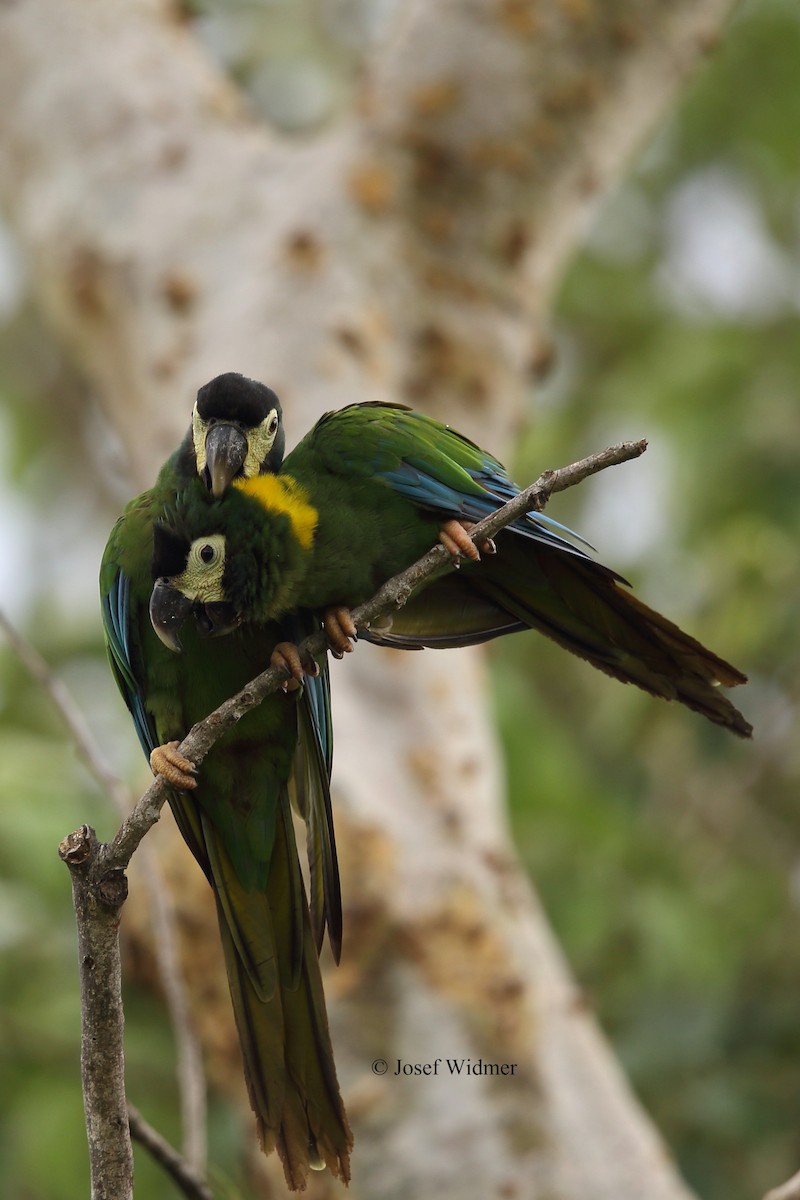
(235,816)
(364,495)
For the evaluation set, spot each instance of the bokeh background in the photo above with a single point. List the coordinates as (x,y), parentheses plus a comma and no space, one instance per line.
(666,855)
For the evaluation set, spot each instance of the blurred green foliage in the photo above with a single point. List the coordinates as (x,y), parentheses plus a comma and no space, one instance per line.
(666,852)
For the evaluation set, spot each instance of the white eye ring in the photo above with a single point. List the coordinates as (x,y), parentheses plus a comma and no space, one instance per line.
(273,423)
(207,557)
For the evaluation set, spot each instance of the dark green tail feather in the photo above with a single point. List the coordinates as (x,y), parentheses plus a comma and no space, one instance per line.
(590,614)
(311,797)
(583,607)
(286,1046)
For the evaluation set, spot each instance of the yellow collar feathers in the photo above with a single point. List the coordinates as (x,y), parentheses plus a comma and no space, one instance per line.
(282,494)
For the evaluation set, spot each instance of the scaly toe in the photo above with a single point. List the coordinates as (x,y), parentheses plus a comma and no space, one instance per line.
(450,546)
(177,770)
(286,657)
(456,540)
(339,629)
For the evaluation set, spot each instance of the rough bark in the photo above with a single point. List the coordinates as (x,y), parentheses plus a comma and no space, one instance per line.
(408,252)
(102,1020)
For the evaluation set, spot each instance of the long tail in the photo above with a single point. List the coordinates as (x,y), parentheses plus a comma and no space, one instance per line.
(579,604)
(279,1005)
(584,608)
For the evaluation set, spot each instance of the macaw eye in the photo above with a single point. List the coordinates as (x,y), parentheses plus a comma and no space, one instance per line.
(273,423)
(207,553)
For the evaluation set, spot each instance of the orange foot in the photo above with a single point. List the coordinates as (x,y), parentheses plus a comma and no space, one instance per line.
(454,536)
(339,627)
(286,657)
(177,770)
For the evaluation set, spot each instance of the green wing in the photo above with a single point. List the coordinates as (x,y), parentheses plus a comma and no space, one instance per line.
(382,472)
(417,458)
(119,606)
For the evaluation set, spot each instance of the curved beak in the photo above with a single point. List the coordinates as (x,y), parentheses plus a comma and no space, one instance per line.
(169,608)
(226,450)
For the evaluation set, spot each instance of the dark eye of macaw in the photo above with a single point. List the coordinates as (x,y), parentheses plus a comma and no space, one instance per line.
(208,554)
(273,424)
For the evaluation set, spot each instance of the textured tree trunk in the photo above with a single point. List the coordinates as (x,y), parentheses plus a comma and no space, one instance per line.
(408,252)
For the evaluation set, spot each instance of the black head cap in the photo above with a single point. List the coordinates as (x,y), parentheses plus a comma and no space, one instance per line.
(234,397)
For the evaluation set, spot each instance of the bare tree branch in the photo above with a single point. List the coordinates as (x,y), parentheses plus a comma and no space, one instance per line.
(121,795)
(189,1058)
(97,912)
(396,591)
(167,1157)
(189,1063)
